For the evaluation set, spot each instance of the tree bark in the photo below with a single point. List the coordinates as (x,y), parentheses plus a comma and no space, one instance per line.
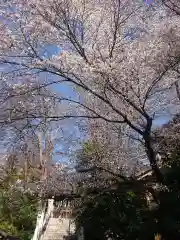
(177,89)
(151,154)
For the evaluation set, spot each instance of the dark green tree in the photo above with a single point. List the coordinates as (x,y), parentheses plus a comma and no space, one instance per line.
(18,212)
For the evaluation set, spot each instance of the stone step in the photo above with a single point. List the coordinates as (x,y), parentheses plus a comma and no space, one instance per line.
(55,232)
(53,238)
(62,232)
(56,229)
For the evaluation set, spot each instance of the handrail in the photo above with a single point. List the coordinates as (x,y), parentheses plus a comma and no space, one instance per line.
(47,215)
(42,220)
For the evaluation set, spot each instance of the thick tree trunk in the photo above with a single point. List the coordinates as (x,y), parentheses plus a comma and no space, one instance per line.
(152,159)
(151,154)
(177,89)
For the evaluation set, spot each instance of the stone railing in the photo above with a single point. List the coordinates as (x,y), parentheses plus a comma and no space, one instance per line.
(42,219)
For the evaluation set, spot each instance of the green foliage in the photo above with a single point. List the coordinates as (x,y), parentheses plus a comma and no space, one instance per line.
(91,154)
(92,147)
(116,214)
(119,212)
(18,212)
(169,210)
(8,228)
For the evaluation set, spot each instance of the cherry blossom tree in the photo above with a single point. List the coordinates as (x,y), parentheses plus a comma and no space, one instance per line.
(121,56)
(172,5)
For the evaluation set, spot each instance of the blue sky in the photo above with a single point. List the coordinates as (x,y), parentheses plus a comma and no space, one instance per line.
(70,128)
(148,2)
(159,121)
(47,52)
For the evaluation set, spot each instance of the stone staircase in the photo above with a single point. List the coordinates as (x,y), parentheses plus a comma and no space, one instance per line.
(57,229)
